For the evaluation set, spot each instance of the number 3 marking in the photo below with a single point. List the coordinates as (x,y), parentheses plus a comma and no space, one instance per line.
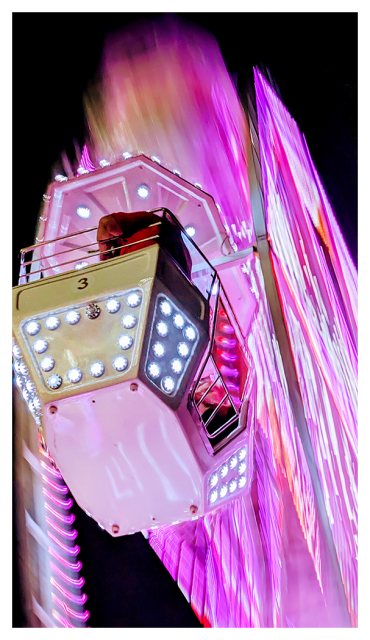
(84,283)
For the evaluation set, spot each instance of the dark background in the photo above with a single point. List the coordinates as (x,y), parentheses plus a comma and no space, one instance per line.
(312,59)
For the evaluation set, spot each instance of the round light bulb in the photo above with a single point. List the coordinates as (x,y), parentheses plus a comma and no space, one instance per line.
(232,486)
(158,349)
(52,323)
(54,381)
(125,341)
(176,365)
(129,321)
(213,480)
(37,403)
(165,308)
(242,453)
(183,349)
(126,155)
(40,346)
(74,375)
(23,369)
(189,333)
(30,386)
(72,317)
(242,481)
(31,407)
(223,491)
(178,321)
(168,384)
(154,370)
(17,352)
(97,369)
(177,173)
(213,496)
(233,462)
(142,191)
(25,394)
(120,363)
(242,467)
(155,159)
(133,300)
(18,382)
(83,212)
(112,305)
(162,328)
(47,363)
(223,471)
(190,230)
(33,328)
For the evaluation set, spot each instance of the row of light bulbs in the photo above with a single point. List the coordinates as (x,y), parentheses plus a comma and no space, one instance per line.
(96,369)
(26,386)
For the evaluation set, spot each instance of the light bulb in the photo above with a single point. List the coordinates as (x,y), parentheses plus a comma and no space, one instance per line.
(125,341)
(72,317)
(133,300)
(242,453)
(242,467)
(223,471)
(33,328)
(223,491)
(142,191)
(158,349)
(54,381)
(97,369)
(189,333)
(178,321)
(154,370)
(52,323)
(165,308)
(81,265)
(183,349)
(129,321)
(112,305)
(83,212)
(162,328)
(74,375)
(242,481)
(176,365)
(47,363)
(17,352)
(120,363)
(40,346)
(213,480)
(168,384)
(190,230)
(232,486)
(233,461)
(213,496)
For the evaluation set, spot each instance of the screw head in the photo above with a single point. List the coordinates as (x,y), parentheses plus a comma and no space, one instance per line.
(134,386)
(193,509)
(53,409)
(115,528)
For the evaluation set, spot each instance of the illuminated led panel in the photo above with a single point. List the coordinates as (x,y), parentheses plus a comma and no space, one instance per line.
(229,479)
(172,345)
(84,335)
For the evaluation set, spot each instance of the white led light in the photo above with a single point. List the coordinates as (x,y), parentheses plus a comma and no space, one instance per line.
(17,366)
(54,381)
(183,349)
(25,394)
(168,384)
(31,406)
(37,419)
(213,480)
(242,467)
(33,328)
(190,230)
(120,363)
(177,172)
(74,375)
(31,388)
(81,265)
(214,289)
(37,403)
(18,382)
(83,212)
(47,363)
(232,486)
(52,322)
(154,370)
(158,349)
(125,341)
(17,352)
(155,159)
(162,328)
(97,369)
(178,321)
(189,333)
(104,163)
(129,321)
(112,305)
(233,462)
(242,481)
(242,453)
(142,191)
(176,365)
(40,346)
(165,308)
(126,155)
(72,317)
(223,491)
(60,178)
(133,300)
(82,170)
(223,471)
(196,184)
(213,496)
(23,369)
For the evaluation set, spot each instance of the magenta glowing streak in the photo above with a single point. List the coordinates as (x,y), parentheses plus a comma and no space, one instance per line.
(77,583)
(65,519)
(69,535)
(72,566)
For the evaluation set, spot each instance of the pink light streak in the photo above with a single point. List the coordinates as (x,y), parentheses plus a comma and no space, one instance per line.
(73,566)
(69,535)
(71,612)
(74,551)
(72,581)
(67,594)
(57,487)
(69,520)
(65,504)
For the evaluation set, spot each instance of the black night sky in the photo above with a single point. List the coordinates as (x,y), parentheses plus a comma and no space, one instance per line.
(312,59)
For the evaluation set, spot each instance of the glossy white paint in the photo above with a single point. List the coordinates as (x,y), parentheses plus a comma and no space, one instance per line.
(125,457)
